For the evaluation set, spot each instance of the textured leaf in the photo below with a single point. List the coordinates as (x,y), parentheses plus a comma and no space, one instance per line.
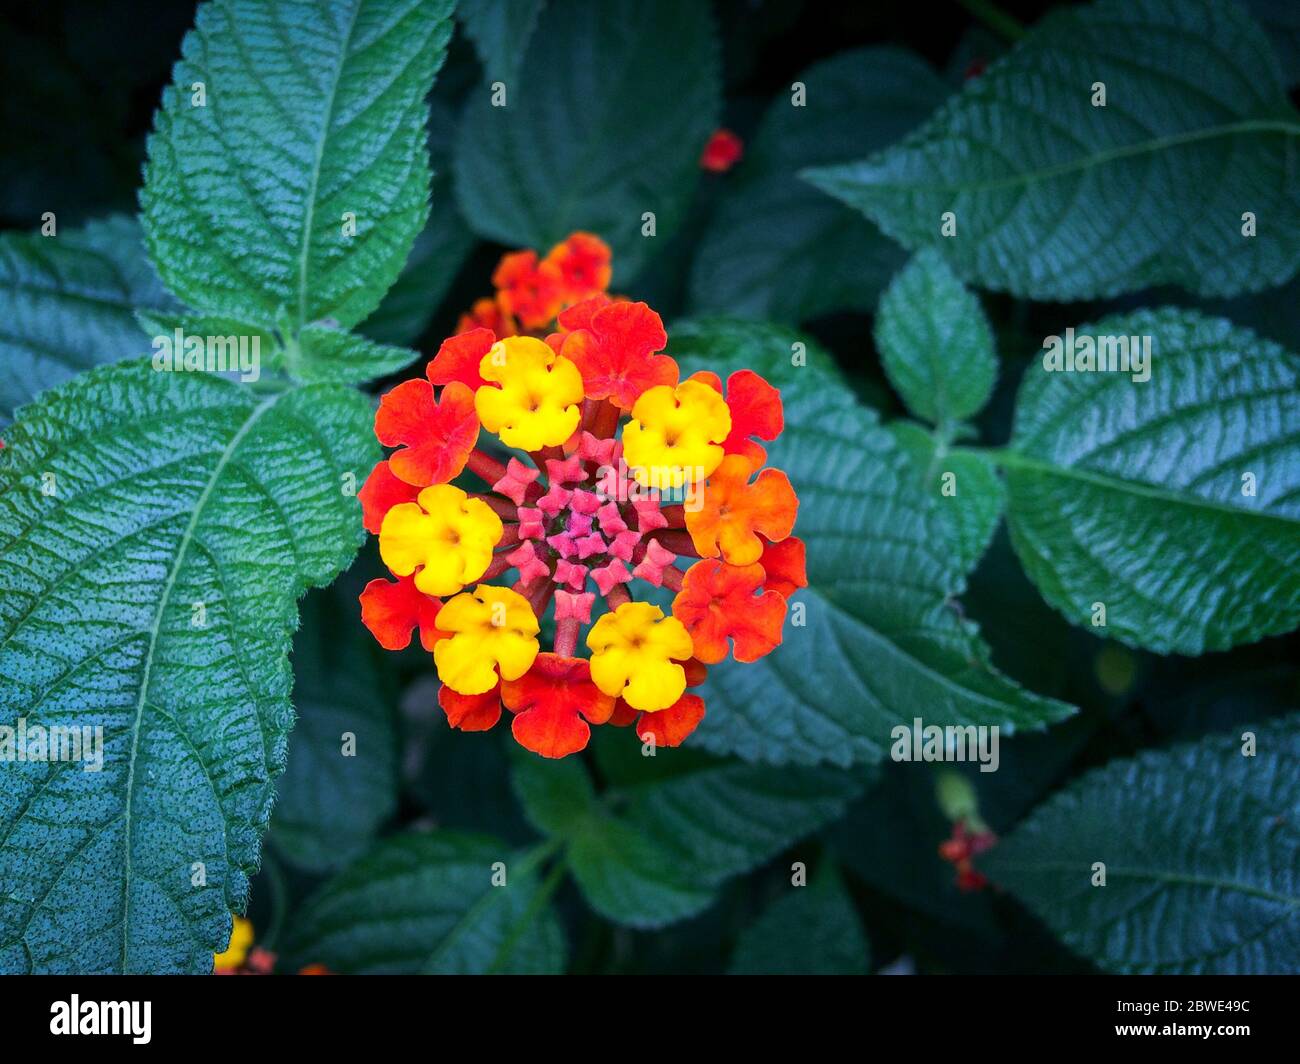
(810,930)
(426,904)
(935,342)
(1057,199)
(1130,493)
(331,803)
(776,248)
(436,256)
(606,121)
(326,354)
(971,515)
(883,639)
(1202,852)
(155,532)
(67,304)
(500,30)
(314,108)
(654,852)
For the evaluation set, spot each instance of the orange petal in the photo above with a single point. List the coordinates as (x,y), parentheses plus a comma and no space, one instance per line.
(720,602)
(734,512)
(380,493)
(438,435)
(785,565)
(615,353)
(459,357)
(671,726)
(550,701)
(392,610)
(470,712)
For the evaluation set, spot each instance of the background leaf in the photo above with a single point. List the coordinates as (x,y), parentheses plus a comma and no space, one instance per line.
(935,342)
(314,108)
(776,248)
(425,903)
(593,141)
(811,930)
(67,303)
(1057,199)
(330,806)
(500,30)
(883,638)
(1203,878)
(168,490)
(1131,493)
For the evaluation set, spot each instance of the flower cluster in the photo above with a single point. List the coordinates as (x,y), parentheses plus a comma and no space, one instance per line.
(626,471)
(532,292)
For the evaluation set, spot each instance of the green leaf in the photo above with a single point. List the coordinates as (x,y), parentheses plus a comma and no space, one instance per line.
(968,495)
(332,355)
(935,342)
(883,638)
(1281,21)
(654,852)
(333,797)
(436,256)
(1132,493)
(775,248)
(812,930)
(312,111)
(500,30)
(156,530)
(67,303)
(1202,851)
(426,903)
(605,122)
(1054,198)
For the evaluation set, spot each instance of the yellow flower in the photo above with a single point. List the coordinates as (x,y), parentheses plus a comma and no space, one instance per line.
(446,532)
(631,655)
(241,939)
(675,434)
(492,629)
(537,403)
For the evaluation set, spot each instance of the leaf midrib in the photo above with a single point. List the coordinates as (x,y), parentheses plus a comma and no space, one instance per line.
(182,550)
(818,175)
(1014,459)
(314,182)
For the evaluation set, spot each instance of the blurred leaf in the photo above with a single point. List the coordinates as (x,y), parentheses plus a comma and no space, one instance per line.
(812,930)
(1131,493)
(935,342)
(158,529)
(426,904)
(606,121)
(1201,847)
(67,303)
(330,804)
(778,249)
(500,30)
(970,517)
(245,197)
(1055,198)
(883,638)
(437,254)
(655,852)
(1281,21)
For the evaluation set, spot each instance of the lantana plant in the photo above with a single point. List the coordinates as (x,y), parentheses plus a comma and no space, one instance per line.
(624,472)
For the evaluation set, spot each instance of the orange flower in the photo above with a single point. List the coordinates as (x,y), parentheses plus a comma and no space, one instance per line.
(755,411)
(718,602)
(459,358)
(734,512)
(471,712)
(486,313)
(613,345)
(527,290)
(550,701)
(392,610)
(438,434)
(722,152)
(584,264)
(380,493)
(672,726)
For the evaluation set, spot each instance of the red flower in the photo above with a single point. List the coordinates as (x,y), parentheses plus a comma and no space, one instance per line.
(960,849)
(550,701)
(672,726)
(392,610)
(438,435)
(722,152)
(459,358)
(471,712)
(718,602)
(584,265)
(613,345)
(784,566)
(380,493)
(755,409)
